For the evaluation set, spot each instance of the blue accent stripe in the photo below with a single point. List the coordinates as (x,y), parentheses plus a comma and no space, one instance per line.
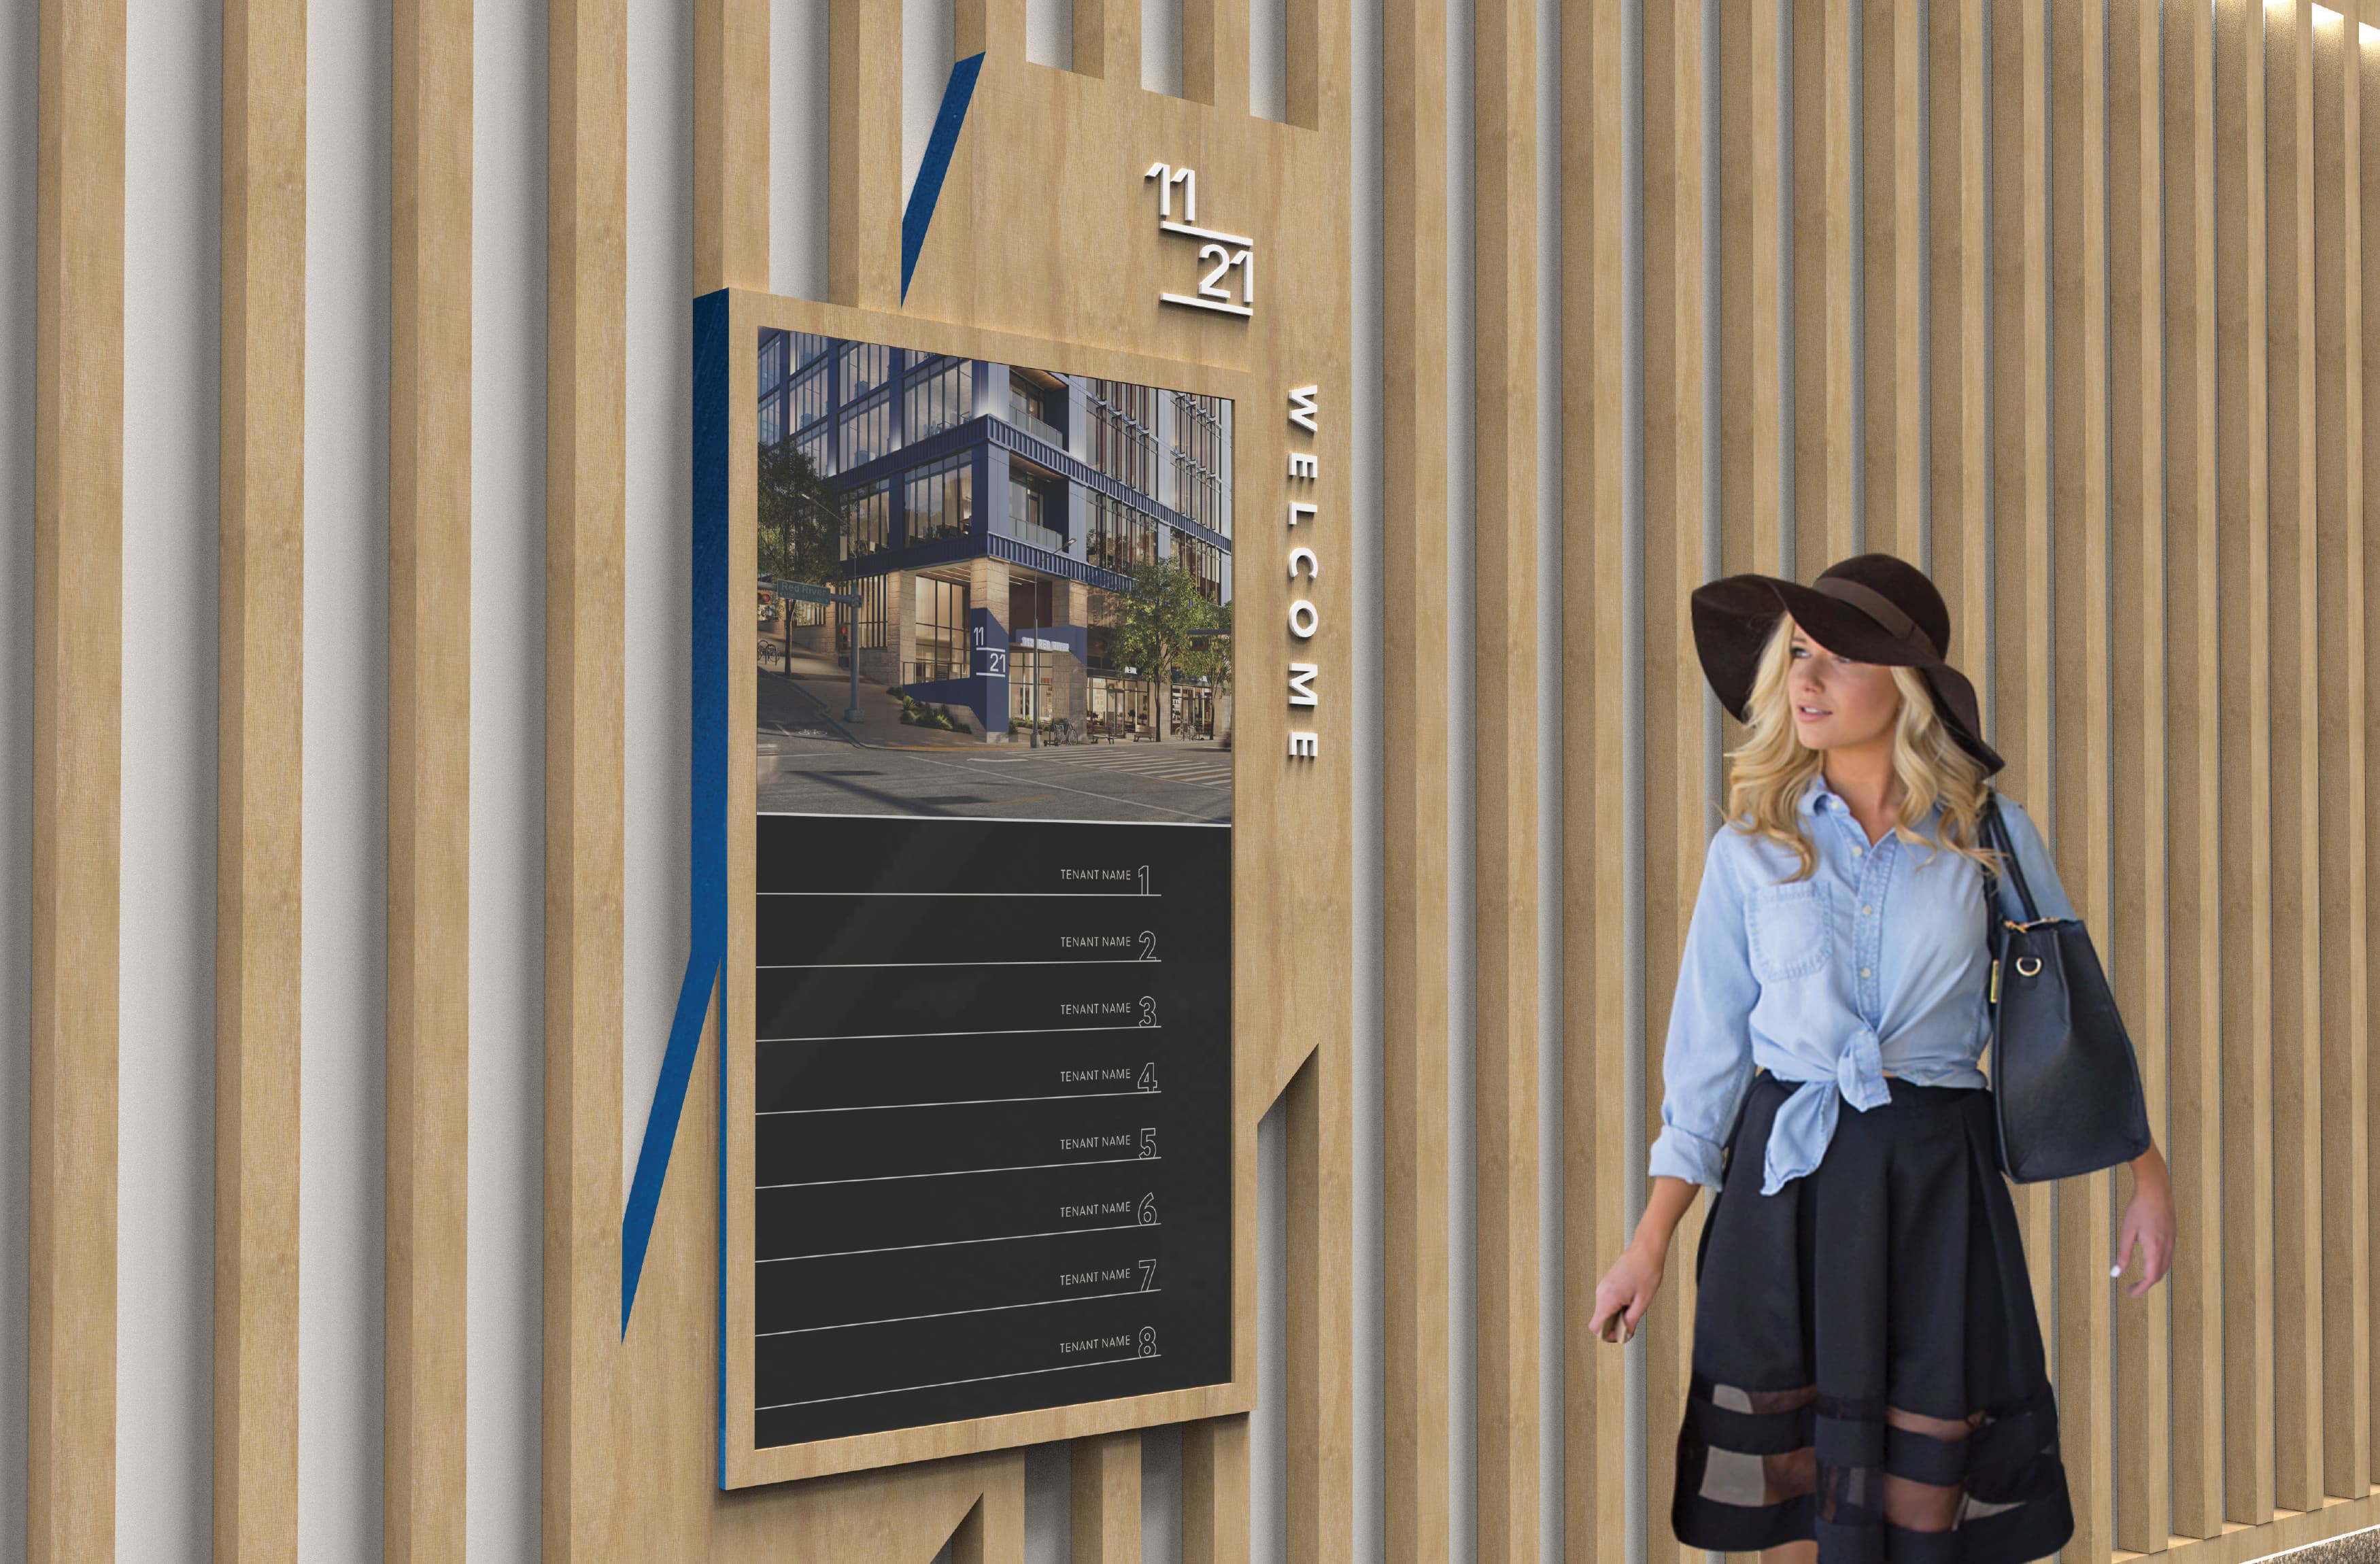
(707,844)
(920,214)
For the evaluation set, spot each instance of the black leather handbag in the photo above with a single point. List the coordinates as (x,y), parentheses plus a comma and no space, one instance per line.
(2065,1083)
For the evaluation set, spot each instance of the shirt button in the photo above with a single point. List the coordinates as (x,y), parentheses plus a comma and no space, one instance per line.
(1859,852)
(1864,971)
(1867,912)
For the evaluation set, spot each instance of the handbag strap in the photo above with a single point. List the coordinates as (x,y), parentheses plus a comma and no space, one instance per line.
(1996,837)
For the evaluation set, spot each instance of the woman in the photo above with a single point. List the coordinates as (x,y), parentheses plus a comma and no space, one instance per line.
(1868,1376)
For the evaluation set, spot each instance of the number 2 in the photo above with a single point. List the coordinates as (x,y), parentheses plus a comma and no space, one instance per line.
(1147,945)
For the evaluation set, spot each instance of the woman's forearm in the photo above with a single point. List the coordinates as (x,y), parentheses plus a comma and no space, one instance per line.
(1664,1208)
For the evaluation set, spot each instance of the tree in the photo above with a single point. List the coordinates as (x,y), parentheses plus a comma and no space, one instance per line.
(1154,617)
(801,518)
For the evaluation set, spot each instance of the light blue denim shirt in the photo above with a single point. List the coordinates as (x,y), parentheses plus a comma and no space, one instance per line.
(1876,961)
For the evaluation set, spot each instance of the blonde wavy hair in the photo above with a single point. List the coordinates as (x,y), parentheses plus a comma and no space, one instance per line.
(1768,772)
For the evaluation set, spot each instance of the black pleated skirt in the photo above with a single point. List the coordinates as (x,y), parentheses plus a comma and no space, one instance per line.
(1867,1367)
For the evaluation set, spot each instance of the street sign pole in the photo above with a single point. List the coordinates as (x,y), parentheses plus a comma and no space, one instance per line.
(804,591)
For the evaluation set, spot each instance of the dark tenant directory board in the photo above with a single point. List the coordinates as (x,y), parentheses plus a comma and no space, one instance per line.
(992,1166)
(994,1118)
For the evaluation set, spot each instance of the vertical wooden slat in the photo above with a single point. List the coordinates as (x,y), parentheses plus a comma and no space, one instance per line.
(2295,819)
(1215,53)
(1414,790)
(77,731)
(586,540)
(2136,927)
(259,694)
(1215,1491)
(1504,491)
(428,779)
(2345,1257)
(1961,326)
(2021,563)
(1676,823)
(1107,40)
(2241,658)
(2080,595)
(1825,529)
(1319,1468)
(1596,440)
(864,153)
(2194,748)
(1107,1500)
(1751,181)
(731,140)
(1892,229)
(2365,561)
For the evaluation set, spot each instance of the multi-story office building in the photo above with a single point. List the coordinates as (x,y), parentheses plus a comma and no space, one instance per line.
(988,509)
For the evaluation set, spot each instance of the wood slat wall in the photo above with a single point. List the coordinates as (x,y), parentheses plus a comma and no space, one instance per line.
(260,794)
(2065,303)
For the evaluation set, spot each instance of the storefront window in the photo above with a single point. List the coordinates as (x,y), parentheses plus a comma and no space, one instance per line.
(941,622)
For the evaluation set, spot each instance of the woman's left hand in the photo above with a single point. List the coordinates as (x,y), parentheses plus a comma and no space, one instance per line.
(2148,1223)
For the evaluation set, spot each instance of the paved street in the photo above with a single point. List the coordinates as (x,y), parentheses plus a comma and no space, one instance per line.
(804,774)
(808,766)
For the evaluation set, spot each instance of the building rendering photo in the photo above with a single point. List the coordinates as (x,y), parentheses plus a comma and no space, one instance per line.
(993,522)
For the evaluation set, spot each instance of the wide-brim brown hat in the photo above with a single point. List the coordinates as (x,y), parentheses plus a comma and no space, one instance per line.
(1871,608)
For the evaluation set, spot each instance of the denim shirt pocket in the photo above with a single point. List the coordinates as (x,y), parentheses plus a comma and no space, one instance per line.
(1790,933)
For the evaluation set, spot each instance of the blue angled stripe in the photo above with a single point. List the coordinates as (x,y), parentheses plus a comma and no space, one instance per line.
(707,827)
(920,214)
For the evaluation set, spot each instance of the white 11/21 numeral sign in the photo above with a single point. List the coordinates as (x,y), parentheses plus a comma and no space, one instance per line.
(1220,254)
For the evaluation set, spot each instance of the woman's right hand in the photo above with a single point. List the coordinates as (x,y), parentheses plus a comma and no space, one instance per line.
(1627,1290)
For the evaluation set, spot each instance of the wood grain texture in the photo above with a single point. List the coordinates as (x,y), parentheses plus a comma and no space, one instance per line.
(2242,661)
(1414,786)
(78,730)
(2341,788)
(428,782)
(2081,820)
(2193,761)
(1105,1500)
(1505,758)
(1893,238)
(1678,818)
(1107,40)
(1215,53)
(1751,181)
(2134,938)
(2365,561)
(1215,1491)
(2296,816)
(2021,682)
(1597,918)
(731,139)
(586,563)
(1959,323)
(864,148)
(1825,527)
(260,699)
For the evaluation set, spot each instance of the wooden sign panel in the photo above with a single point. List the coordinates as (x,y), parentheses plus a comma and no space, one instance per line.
(1093,260)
